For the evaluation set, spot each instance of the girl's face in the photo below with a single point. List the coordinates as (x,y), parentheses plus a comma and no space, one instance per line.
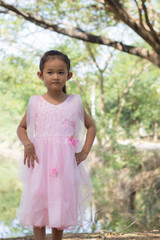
(55,74)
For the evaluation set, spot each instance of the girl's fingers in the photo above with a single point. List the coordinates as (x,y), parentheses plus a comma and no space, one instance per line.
(36,158)
(32,161)
(24,160)
(29,157)
(28,161)
(78,161)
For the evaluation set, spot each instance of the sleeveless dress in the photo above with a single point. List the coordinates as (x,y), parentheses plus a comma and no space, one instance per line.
(56,191)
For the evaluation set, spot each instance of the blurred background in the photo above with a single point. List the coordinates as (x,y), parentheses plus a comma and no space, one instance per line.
(114,47)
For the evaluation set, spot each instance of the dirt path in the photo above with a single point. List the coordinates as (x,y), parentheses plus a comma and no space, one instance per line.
(155,235)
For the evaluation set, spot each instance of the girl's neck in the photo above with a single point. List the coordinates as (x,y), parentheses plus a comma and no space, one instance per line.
(55,95)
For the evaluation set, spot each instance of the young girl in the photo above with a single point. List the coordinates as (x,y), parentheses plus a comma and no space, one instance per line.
(56,184)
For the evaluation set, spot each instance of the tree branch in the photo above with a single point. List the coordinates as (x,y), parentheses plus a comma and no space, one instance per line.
(100,78)
(3,11)
(140,13)
(148,22)
(108,61)
(151,12)
(78,33)
(96,7)
(118,9)
(92,56)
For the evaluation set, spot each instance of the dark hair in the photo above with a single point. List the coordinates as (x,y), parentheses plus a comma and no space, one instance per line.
(51,54)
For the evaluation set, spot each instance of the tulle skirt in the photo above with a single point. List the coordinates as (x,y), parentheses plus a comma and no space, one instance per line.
(56,191)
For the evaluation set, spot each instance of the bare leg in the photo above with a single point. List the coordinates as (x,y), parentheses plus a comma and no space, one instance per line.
(57,234)
(39,233)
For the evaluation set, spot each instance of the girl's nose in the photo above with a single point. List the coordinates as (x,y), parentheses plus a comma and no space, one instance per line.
(55,76)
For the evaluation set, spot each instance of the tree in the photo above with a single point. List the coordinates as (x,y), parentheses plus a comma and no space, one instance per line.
(88,21)
(131,96)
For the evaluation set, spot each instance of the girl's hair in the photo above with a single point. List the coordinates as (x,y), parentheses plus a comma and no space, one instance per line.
(51,54)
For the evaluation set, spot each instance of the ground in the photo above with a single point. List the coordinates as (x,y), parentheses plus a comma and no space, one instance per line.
(104,235)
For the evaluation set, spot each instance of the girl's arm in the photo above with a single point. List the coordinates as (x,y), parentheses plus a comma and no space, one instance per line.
(29,152)
(91,133)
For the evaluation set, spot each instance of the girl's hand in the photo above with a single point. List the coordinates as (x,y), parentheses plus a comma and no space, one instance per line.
(80,157)
(30,155)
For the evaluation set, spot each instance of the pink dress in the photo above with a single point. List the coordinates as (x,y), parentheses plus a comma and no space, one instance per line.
(56,191)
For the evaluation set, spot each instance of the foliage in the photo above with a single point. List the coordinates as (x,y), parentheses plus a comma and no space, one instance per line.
(19,81)
(10,190)
(118,199)
(92,21)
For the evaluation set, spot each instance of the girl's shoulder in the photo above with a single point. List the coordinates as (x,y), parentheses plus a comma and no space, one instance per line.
(33,99)
(75,96)
(34,96)
(77,103)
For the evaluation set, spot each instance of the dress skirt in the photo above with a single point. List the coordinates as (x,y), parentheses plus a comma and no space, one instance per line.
(56,191)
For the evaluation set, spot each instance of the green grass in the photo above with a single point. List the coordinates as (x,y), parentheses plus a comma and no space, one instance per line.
(10,190)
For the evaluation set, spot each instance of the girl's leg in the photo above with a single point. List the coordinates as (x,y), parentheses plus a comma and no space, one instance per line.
(57,234)
(39,233)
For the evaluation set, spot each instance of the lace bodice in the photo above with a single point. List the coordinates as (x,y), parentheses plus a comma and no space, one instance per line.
(54,120)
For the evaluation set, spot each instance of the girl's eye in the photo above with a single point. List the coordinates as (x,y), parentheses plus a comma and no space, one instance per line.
(49,72)
(61,72)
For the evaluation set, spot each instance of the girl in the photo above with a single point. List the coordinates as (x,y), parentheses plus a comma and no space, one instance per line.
(56,184)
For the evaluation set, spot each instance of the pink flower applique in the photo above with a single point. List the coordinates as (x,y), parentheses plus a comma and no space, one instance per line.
(54,172)
(73,140)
